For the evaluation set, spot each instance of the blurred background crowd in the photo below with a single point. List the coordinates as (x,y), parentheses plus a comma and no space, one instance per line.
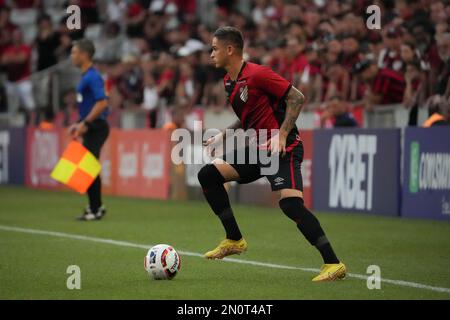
(154,55)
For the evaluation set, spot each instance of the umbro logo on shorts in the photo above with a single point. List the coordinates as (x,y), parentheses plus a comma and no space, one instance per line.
(278,181)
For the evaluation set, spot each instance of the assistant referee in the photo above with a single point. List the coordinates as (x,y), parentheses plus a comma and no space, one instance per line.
(92,125)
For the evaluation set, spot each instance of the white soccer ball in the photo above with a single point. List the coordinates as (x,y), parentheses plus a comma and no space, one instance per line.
(162,262)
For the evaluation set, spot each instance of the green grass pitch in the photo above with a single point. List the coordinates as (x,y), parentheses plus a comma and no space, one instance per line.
(33,266)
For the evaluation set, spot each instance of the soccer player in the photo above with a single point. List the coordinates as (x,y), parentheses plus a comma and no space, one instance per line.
(262,100)
(92,125)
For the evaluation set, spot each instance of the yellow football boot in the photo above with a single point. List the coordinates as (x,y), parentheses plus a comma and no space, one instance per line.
(227,247)
(331,272)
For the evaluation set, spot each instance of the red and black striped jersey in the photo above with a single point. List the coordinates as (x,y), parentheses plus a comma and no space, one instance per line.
(258,97)
(390,85)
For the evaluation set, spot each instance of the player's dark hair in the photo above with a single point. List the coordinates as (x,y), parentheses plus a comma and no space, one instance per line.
(231,35)
(86,46)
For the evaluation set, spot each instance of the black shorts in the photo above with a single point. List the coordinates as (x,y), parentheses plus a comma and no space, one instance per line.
(288,176)
(96,136)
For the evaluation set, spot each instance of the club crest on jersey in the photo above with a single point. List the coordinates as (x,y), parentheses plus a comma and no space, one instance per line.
(243,93)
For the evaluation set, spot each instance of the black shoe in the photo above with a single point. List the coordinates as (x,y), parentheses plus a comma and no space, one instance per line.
(87,215)
(100,213)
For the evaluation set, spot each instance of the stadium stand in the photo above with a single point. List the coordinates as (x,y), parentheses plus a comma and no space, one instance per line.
(154,56)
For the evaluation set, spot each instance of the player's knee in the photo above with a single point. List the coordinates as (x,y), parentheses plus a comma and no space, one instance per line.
(294,208)
(209,175)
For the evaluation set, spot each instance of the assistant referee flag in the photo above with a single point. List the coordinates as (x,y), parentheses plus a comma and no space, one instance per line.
(77,167)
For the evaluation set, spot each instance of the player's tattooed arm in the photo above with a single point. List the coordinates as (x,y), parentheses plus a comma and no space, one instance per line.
(294,103)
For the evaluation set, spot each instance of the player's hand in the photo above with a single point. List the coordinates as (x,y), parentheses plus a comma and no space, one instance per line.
(276,144)
(77,129)
(213,142)
(218,138)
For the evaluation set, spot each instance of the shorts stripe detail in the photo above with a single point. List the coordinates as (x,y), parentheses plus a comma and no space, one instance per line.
(292,170)
(292,145)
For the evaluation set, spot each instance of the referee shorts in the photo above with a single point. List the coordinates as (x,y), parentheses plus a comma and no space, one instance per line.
(96,136)
(288,176)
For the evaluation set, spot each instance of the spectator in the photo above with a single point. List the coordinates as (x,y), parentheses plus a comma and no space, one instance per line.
(47,42)
(110,45)
(131,82)
(383,86)
(66,37)
(90,11)
(423,33)
(115,10)
(415,90)
(443,84)
(151,99)
(134,20)
(17,61)
(390,56)
(337,113)
(334,76)
(6,28)
(311,79)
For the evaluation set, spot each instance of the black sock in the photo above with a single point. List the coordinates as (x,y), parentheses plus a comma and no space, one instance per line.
(95,195)
(217,197)
(230,225)
(309,226)
(328,254)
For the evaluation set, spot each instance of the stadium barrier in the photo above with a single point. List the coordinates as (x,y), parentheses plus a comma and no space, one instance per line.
(426,175)
(12,156)
(43,150)
(344,170)
(134,162)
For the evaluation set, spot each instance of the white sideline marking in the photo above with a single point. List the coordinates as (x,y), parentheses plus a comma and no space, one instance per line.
(195,254)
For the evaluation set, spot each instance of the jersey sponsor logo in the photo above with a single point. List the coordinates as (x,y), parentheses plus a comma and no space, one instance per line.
(351,164)
(243,93)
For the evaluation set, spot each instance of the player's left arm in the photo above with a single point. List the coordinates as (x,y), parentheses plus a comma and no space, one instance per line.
(294,104)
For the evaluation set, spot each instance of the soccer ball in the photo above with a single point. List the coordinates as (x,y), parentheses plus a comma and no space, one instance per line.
(162,262)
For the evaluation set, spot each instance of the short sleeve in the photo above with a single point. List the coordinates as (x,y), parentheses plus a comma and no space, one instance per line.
(98,88)
(270,82)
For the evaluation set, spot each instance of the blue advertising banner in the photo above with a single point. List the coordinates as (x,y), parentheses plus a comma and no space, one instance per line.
(12,155)
(426,175)
(357,170)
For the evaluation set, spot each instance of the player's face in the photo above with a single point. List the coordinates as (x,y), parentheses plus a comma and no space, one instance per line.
(218,53)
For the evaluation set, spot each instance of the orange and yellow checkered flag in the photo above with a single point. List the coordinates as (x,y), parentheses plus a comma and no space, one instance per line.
(77,167)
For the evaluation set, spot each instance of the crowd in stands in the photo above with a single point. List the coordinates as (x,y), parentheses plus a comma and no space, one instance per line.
(155,53)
